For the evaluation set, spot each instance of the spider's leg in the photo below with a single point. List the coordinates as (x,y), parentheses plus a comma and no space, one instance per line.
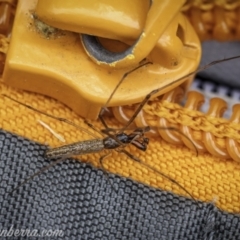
(51,116)
(139,108)
(119,84)
(182,134)
(103,121)
(92,127)
(145,100)
(37,174)
(156,171)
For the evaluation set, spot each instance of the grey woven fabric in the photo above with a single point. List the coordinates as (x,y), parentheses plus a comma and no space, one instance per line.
(225,73)
(78,199)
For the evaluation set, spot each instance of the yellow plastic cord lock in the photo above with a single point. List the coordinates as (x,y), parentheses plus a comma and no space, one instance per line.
(47,55)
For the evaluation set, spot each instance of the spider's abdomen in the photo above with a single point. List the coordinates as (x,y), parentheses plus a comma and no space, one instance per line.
(79,148)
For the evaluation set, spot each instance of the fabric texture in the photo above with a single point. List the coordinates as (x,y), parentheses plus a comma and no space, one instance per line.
(79,200)
(224,74)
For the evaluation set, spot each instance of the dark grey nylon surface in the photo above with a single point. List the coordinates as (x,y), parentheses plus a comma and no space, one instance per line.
(78,199)
(227,73)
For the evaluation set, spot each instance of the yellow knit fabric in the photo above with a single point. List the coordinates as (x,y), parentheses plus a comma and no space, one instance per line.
(206,177)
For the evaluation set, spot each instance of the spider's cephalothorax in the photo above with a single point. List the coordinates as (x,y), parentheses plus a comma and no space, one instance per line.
(135,138)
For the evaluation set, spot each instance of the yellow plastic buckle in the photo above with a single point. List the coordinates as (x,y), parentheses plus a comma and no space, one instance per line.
(54,60)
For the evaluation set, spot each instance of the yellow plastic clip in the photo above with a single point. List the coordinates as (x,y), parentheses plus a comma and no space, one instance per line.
(152,30)
(47,55)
